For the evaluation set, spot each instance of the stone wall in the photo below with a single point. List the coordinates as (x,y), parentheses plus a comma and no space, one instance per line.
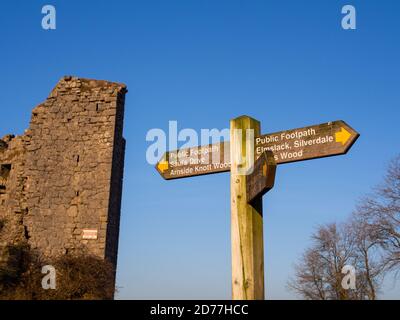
(64,175)
(12,190)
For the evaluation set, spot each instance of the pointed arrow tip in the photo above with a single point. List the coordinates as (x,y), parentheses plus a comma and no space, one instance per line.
(162,166)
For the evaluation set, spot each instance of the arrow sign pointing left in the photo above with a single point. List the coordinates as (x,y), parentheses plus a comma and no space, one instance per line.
(195,161)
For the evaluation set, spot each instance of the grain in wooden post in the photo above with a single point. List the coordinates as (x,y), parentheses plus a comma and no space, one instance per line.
(246,220)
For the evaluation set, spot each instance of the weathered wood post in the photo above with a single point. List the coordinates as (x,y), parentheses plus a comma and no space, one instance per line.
(246,220)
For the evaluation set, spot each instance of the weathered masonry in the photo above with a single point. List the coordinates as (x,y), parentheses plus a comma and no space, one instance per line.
(61,182)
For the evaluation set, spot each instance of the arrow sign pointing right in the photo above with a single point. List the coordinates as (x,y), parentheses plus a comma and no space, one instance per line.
(342,136)
(323,140)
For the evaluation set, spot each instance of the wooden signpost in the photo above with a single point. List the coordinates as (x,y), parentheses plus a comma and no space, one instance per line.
(261,178)
(247,189)
(318,141)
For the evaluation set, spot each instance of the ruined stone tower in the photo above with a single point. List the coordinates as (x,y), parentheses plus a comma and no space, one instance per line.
(61,182)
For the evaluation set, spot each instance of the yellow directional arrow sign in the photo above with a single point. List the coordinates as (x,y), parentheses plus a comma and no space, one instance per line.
(342,136)
(195,161)
(318,141)
(162,166)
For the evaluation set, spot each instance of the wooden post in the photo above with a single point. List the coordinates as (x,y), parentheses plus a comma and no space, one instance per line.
(246,219)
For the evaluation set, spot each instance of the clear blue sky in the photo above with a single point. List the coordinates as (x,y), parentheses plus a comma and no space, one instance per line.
(285,63)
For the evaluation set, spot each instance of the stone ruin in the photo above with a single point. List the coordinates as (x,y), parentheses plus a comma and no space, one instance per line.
(61,182)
